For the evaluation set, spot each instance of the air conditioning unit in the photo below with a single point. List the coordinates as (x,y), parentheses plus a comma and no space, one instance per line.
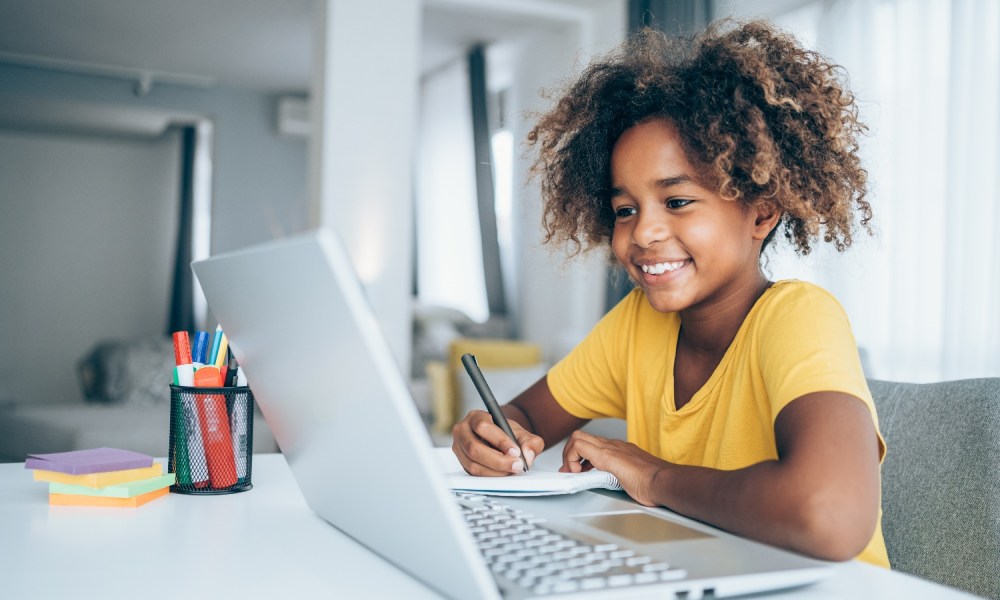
(293,117)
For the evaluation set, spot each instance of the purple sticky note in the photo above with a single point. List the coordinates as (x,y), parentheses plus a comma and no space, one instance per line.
(95,460)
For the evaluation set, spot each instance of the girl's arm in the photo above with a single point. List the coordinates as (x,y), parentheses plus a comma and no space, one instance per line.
(820,497)
(537,421)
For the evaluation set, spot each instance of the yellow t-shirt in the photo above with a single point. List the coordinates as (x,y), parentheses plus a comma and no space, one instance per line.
(796,340)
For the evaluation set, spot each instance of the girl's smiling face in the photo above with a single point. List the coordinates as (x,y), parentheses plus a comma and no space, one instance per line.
(685,245)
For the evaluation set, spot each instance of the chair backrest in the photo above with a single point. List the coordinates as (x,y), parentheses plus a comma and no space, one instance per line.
(941,480)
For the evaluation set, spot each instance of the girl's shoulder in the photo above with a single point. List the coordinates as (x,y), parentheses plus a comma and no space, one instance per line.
(790,290)
(788,298)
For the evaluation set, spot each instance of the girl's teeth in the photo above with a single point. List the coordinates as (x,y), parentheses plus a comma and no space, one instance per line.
(661,268)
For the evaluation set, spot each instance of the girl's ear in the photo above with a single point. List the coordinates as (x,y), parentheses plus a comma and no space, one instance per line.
(766,219)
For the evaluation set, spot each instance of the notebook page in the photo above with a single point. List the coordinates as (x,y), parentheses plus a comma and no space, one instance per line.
(538,481)
(532,483)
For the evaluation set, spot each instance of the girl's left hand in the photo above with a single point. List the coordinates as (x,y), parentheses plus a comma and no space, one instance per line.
(634,468)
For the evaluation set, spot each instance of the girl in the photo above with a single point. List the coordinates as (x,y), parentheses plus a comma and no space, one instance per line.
(744,399)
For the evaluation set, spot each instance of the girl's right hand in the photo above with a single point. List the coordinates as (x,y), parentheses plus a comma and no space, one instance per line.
(485,450)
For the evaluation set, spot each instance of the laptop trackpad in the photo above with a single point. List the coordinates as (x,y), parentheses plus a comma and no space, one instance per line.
(641,527)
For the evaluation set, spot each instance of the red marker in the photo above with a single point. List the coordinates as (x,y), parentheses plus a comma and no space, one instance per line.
(182,348)
(215,432)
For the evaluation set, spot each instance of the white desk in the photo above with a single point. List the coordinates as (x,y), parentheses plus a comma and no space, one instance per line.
(264,543)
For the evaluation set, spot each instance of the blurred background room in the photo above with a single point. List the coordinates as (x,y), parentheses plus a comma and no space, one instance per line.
(136,136)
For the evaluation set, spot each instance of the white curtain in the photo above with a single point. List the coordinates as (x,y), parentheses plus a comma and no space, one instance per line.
(923,294)
(449,239)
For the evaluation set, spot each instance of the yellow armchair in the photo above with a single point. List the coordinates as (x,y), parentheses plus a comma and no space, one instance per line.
(448,399)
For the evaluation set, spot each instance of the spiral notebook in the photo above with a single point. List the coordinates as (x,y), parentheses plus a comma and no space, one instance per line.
(536,482)
(533,483)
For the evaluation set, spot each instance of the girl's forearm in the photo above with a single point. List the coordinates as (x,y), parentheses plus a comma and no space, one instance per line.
(770,503)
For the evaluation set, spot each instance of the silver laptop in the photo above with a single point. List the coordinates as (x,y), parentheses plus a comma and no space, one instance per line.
(328,385)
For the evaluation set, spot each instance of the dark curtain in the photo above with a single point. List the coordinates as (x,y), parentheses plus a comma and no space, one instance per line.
(181,317)
(479,95)
(673,17)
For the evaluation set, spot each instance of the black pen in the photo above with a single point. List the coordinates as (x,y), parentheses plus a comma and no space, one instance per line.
(231,370)
(491,403)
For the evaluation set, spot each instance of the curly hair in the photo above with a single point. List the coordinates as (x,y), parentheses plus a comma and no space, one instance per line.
(761,119)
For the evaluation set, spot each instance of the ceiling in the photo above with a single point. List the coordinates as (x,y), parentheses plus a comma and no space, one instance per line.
(256,44)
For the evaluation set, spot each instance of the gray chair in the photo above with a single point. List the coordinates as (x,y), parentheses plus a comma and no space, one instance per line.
(941,480)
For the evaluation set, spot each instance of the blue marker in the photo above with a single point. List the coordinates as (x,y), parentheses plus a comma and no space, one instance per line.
(199,352)
(215,346)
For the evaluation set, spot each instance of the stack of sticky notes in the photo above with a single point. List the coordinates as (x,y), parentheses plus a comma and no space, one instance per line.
(100,477)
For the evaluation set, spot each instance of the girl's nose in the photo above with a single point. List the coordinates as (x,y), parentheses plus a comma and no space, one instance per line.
(650,229)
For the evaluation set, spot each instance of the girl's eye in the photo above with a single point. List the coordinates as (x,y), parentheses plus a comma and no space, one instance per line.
(676,203)
(624,211)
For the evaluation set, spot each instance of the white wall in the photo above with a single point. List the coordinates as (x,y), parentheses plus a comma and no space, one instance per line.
(364,106)
(561,299)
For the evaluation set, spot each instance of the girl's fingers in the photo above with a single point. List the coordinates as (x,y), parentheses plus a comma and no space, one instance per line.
(579,454)
(483,448)
(531,444)
(493,435)
(479,459)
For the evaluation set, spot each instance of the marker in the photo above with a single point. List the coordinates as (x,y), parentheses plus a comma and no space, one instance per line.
(185,440)
(216,342)
(491,403)
(199,353)
(215,432)
(208,376)
(231,371)
(182,348)
(220,355)
(184,375)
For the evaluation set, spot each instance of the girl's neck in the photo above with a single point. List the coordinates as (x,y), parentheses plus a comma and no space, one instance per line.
(709,329)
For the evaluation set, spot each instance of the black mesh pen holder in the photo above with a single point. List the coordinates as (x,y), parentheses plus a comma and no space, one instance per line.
(211,439)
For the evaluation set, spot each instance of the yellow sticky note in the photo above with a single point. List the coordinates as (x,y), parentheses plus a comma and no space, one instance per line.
(99,480)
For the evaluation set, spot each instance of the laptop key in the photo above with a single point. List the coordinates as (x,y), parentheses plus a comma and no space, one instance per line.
(646,577)
(620,580)
(593,583)
(595,569)
(565,586)
(673,575)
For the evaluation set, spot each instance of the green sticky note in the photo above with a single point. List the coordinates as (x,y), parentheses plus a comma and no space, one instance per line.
(121,490)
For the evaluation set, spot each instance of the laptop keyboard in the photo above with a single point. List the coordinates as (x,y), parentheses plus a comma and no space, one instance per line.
(519,548)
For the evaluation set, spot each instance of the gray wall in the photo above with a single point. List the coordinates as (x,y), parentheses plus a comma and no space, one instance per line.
(86,240)
(259,193)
